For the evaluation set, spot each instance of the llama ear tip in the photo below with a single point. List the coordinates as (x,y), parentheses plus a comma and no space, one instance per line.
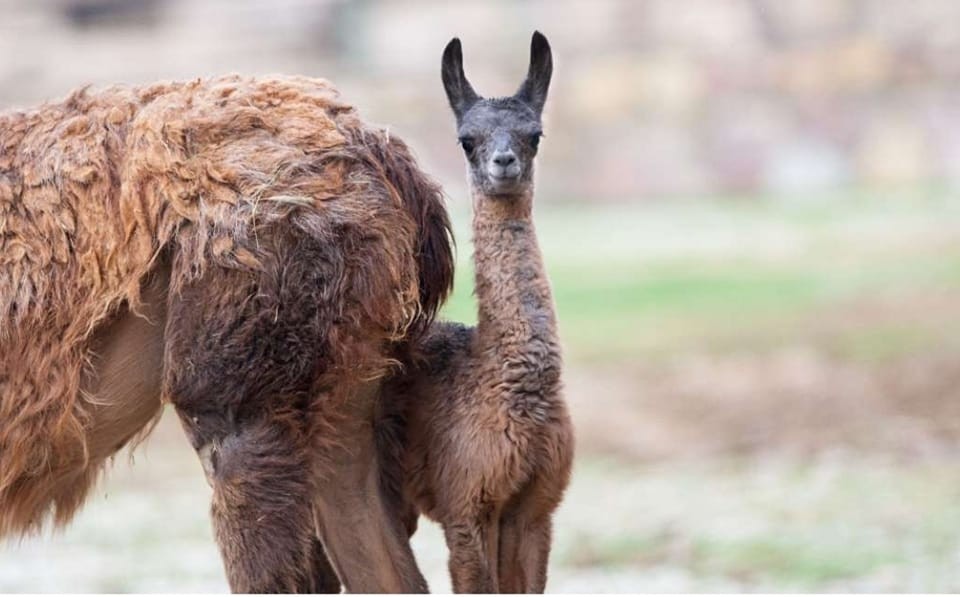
(452,53)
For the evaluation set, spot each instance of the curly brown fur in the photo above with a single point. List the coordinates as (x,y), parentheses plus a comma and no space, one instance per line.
(311,243)
(487,441)
(477,423)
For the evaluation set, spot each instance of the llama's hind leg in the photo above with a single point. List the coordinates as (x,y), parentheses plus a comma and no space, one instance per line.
(238,369)
(246,352)
(361,525)
(261,509)
(491,543)
(320,577)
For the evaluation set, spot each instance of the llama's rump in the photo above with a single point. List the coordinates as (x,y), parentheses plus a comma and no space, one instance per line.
(97,191)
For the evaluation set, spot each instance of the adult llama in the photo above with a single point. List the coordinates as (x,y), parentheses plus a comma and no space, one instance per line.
(246,249)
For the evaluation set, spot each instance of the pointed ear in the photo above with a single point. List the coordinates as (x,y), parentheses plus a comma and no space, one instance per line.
(459,92)
(533,91)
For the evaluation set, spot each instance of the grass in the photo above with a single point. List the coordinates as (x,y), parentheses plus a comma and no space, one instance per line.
(840,522)
(742,275)
(787,561)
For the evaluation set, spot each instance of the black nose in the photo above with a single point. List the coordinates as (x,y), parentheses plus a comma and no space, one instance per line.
(504,159)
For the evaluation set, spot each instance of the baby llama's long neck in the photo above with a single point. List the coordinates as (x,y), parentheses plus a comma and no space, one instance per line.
(516,324)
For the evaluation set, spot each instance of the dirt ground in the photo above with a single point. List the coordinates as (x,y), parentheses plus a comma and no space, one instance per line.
(699,483)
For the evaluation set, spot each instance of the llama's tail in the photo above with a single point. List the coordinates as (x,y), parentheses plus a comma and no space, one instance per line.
(423,200)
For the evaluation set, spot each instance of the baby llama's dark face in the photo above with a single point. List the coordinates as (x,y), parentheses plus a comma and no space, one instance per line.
(500,138)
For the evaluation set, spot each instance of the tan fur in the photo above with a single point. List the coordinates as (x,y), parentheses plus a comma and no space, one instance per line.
(105,195)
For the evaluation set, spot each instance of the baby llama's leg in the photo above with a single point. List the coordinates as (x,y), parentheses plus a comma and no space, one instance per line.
(491,541)
(469,570)
(525,538)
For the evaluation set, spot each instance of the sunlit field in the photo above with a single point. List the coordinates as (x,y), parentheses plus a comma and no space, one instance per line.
(766,394)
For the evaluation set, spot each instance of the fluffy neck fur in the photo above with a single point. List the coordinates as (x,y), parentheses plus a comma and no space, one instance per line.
(516,322)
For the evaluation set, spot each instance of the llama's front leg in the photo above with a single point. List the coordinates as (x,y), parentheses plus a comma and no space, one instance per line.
(469,569)
(524,553)
(526,526)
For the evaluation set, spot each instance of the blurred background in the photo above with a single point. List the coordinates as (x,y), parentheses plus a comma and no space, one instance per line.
(749,213)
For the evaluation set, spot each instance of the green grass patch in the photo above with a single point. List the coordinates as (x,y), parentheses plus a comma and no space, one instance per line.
(631,283)
(785,560)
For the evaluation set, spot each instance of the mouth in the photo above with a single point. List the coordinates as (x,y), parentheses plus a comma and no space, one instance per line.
(504,179)
(504,184)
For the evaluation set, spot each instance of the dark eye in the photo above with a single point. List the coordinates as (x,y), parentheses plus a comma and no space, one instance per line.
(468,144)
(535,140)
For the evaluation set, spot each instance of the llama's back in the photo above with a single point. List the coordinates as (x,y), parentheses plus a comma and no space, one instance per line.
(97,190)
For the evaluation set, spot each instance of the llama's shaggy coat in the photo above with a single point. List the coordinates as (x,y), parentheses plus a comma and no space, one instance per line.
(103,190)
